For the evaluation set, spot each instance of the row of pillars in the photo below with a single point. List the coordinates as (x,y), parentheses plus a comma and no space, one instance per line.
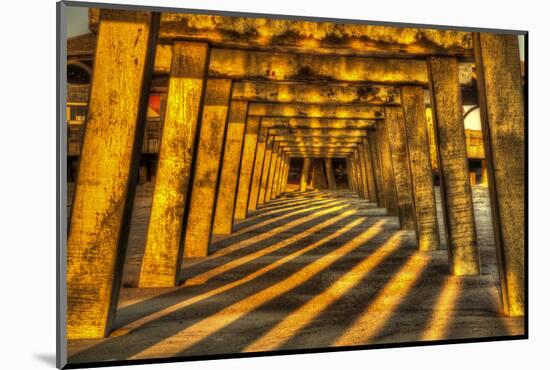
(217,163)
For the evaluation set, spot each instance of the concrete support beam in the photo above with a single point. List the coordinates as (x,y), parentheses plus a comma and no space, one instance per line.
(285,175)
(247,165)
(315,111)
(227,189)
(395,123)
(304,176)
(358,175)
(319,178)
(309,140)
(259,159)
(207,167)
(363,172)
(329,169)
(390,194)
(372,143)
(427,230)
(105,187)
(262,65)
(280,172)
(266,169)
(364,150)
(350,175)
(306,93)
(316,123)
(503,122)
(162,257)
(456,194)
(271,186)
(318,132)
(318,145)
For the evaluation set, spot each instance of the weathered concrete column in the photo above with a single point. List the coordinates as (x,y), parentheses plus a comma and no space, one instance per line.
(427,231)
(357,176)
(266,168)
(390,194)
(359,173)
(259,159)
(319,178)
(109,160)
(271,173)
(503,122)
(282,171)
(247,164)
(456,194)
(395,123)
(329,169)
(227,190)
(272,186)
(287,174)
(207,167)
(364,149)
(377,168)
(350,175)
(305,174)
(185,90)
(363,174)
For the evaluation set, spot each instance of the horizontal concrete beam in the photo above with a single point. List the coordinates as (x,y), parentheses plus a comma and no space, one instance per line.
(269,66)
(315,93)
(316,139)
(311,37)
(315,110)
(294,144)
(316,123)
(317,132)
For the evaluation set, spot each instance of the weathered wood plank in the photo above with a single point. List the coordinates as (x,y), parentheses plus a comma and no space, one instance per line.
(102,206)
(162,257)
(247,165)
(390,194)
(503,123)
(227,189)
(202,204)
(414,110)
(395,123)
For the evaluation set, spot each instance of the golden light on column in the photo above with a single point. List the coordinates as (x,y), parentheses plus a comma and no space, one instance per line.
(103,198)
(185,89)
(209,151)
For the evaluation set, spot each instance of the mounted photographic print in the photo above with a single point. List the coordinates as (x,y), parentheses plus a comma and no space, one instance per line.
(237,184)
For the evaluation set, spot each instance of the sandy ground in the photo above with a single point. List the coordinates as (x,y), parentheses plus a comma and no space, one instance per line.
(309,270)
